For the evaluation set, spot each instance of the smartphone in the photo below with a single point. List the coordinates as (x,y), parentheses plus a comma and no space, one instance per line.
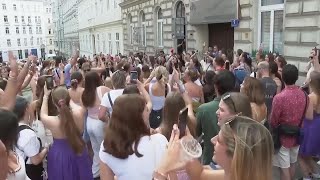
(133,76)
(183,121)
(49,82)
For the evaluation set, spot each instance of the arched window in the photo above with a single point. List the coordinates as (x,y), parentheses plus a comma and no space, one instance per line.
(181,11)
(143,26)
(160,27)
(180,27)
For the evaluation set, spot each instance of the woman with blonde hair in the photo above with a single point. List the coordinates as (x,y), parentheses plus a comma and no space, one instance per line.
(253,88)
(241,140)
(158,90)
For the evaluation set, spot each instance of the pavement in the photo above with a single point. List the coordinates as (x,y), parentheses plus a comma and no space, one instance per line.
(276,173)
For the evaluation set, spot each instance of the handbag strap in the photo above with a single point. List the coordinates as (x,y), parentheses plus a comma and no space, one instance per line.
(305,108)
(110,101)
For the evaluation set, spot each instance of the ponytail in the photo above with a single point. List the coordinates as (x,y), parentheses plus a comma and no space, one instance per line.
(74,84)
(69,127)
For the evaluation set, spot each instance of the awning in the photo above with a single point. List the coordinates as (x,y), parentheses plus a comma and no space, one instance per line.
(212,11)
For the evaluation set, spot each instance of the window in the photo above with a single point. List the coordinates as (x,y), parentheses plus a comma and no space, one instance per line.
(271,25)
(115,3)
(130,29)
(30,30)
(14,7)
(160,28)
(8,42)
(39,19)
(118,43)
(16,19)
(40,30)
(50,41)
(108,4)
(18,42)
(36,19)
(20,54)
(143,25)
(37,30)
(25,42)
(41,41)
(38,41)
(31,41)
(5,18)
(47,10)
(98,43)
(49,21)
(22,19)
(4,6)
(7,30)
(24,30)
(17,30)
(110,43)
(29,19)
(49,31)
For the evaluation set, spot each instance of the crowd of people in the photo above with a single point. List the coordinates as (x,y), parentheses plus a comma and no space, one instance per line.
(122,117)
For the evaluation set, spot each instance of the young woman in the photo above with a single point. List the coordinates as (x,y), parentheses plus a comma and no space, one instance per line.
(128,143)
(253,88)
(280,62)
(240,139)
(158,91)
(274,74)
(310,146)
(232,104)
(68,158)
(194,90)
(15,168)
(28,144)
(91,100)
(76,89)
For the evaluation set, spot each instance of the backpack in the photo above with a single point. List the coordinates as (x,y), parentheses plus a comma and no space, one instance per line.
(240,75)
(34,172)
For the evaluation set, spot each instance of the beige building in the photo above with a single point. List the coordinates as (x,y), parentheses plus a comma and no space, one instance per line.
(289,27)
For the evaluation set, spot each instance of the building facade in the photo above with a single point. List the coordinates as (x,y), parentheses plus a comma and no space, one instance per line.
(65,20)
(290,27)
(22,28)
(101,30)
(49,27)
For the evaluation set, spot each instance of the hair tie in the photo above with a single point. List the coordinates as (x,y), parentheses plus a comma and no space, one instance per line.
(61,102)
(74,81)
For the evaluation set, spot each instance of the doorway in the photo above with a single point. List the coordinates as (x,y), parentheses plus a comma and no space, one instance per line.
(222,35)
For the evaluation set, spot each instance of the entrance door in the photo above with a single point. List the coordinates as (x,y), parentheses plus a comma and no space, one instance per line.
(222,35)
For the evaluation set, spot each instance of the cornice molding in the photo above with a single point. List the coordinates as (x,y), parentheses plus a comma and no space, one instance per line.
(129,3)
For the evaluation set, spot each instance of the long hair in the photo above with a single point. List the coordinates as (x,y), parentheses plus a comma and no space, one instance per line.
(52,110)
(251,143)
(173,104)
(4,169)
(254,90)
(61,99)
(123,133)
(92,81)
(315,84)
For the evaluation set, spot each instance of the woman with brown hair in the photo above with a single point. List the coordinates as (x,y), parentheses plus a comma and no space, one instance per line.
(128,143)
(91,100)
(76,89)
(253,88)
(68,158)
(193,89)
(232,104)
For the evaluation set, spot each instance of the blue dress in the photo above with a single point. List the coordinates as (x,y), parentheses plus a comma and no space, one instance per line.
(310,145)
(65,164)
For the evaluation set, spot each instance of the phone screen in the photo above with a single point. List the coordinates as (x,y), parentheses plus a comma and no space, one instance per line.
(183,120)
(133,75)
(49,82)
(227,65)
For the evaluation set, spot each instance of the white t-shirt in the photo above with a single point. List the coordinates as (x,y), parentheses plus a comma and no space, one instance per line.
(151,147)
(113,95)
(28,144)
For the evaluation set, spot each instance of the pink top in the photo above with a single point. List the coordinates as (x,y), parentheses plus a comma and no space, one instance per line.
(288,108)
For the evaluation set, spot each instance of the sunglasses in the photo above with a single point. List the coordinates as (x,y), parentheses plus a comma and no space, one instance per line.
(228,97)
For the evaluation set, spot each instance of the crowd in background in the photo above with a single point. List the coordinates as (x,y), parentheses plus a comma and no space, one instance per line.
(118,117)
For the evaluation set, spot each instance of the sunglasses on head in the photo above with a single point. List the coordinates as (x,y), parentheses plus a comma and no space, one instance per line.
(228,97)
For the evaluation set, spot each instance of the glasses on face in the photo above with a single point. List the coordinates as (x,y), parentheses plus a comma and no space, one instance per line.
(228,97)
